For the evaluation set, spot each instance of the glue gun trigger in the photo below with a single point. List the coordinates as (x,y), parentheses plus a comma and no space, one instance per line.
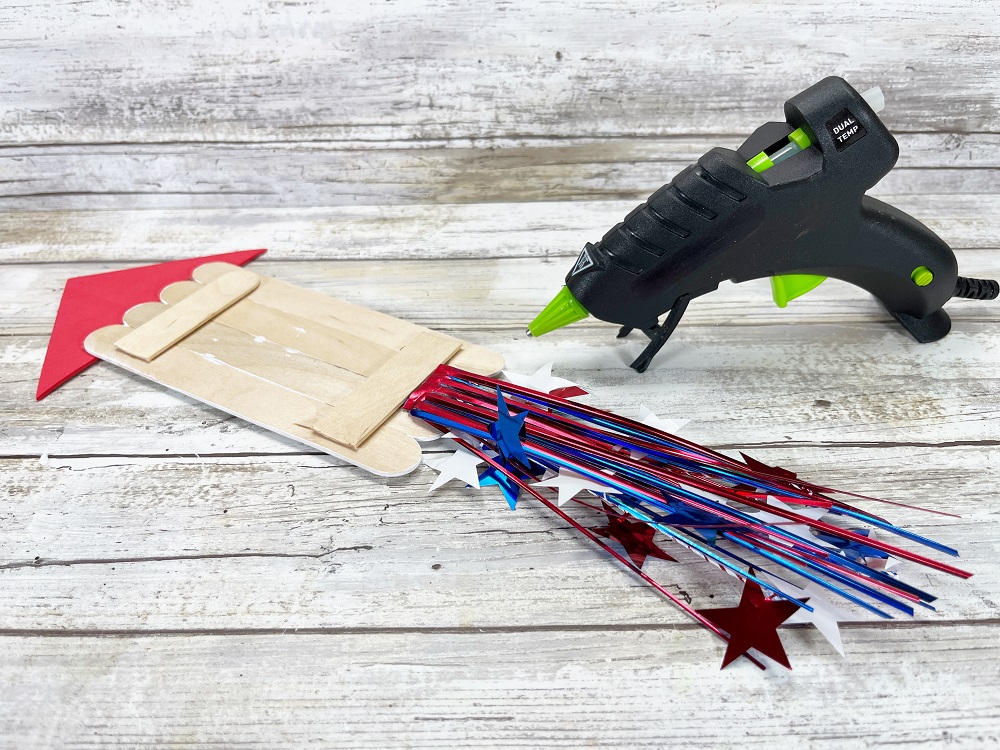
(658,334)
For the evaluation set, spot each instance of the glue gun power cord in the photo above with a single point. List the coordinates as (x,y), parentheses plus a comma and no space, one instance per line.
(976,288)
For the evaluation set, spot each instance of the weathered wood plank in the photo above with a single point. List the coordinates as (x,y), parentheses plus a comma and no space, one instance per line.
(426,232)
(326,174)
(353,132)
(744,386)
(499,294)
(605,689)
(291,541)
(441,69)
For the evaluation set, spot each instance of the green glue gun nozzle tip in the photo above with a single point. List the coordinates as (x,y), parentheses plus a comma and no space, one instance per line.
(561,311)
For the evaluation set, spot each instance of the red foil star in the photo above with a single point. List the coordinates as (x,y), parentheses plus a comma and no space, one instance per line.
(753,624)
(635,536)
(775,471)
(568,391)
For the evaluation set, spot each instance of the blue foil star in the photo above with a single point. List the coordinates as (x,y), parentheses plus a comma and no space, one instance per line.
(506,484)
(506,431)
(681,515)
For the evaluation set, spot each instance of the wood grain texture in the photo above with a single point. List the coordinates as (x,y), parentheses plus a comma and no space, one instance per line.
(497,293)
(424,232)
(170,576)
(605,688)
(351,421)
(164,543)
(303,334)
(320,173)
(765,393)
(442,69)
(255,400)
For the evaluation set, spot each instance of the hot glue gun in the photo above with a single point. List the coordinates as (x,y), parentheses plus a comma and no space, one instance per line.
(790,204)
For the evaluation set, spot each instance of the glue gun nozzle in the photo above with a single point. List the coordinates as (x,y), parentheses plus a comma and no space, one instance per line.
(561,311)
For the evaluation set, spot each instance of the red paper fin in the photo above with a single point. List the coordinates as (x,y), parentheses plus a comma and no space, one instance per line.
(92,302)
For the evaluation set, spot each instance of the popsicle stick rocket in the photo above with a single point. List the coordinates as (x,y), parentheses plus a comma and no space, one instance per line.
(313,368)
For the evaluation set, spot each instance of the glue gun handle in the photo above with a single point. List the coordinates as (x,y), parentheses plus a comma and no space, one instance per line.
(891,250)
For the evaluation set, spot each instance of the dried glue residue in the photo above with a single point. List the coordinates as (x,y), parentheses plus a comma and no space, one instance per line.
(212,359)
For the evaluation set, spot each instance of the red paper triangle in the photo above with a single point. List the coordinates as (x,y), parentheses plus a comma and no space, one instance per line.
(92,302)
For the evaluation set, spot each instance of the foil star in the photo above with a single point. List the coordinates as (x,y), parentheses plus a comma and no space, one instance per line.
(635,536)
(753,624)
(774,471)
(649,418)
(507,431)
(853,550)
(507,485)
(801,530)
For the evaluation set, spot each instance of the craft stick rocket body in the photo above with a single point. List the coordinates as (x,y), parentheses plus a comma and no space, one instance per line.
(316,369)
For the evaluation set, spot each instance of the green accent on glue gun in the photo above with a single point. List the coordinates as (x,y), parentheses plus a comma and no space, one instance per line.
(561,311)
(797,141)
(786,288)
(760,163)
(800,139)
(922,276)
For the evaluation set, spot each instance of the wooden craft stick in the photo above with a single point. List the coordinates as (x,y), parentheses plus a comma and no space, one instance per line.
(389,452)
(292,361)
(371,325)
(260,357)
(305,335)
(282,366)
(352,420)
(329,311)
(177,321)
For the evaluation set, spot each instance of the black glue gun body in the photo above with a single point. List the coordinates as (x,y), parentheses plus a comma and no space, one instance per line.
(789,204)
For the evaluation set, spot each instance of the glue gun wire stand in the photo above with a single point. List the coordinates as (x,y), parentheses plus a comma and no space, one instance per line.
(789,204)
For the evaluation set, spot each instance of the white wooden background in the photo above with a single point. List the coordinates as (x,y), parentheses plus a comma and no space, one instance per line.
(172,577)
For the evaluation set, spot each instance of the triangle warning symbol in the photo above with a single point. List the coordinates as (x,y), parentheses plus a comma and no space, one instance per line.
(583,263)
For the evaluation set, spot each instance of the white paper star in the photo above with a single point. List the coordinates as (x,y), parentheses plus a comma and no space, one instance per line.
(462,465)
(459,435)
(570,484)
(824,617)
(649,418)
(801,530)
(542,380)
(885,564)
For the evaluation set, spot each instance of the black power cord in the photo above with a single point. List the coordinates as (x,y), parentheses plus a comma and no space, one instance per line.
(976,288)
